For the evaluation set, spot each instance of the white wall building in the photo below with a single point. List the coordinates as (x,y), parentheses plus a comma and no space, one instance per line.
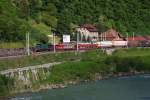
(88,31)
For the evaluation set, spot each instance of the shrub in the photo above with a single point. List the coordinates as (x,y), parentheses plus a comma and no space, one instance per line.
(82,70)
(5,85)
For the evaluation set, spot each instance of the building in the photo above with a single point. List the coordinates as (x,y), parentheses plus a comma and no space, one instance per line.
(111,35)
(88,31)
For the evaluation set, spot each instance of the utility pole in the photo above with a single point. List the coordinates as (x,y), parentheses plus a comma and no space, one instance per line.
(28,43)
(28,35)
(105,36)
(101,37)
(77,41)
(133,36)
(127,40)
(54,42)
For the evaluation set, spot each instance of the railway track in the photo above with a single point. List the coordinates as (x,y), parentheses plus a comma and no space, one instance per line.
(18,53)
(12,52)
(11,55)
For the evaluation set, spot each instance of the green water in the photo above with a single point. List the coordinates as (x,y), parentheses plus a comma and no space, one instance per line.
(124,88)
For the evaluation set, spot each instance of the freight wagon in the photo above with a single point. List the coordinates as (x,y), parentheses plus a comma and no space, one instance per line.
(119,43)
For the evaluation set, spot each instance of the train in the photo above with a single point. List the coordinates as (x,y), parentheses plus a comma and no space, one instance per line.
(64,47)
(80,46)
(73,46)
(89,46)
(138,44)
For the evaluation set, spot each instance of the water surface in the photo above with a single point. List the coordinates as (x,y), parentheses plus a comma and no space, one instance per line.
(124,88)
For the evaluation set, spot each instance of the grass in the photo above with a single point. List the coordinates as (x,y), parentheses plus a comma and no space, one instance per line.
(5,84)
(71,71)
(132,52)
(91,62)
(130,59)
(47,58)
(5,45)
(36,60)
(97,62)
(123,56)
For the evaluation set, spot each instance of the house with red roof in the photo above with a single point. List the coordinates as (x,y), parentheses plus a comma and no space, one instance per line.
(111,35)
(88,31)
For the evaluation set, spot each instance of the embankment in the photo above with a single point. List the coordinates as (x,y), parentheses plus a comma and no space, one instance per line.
(93,65)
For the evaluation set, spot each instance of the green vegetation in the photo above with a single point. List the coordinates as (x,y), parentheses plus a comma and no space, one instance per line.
(12,28)
(73,71)
(123,57)
(91,63)
(78,67)
(130,59)
(10,45)
(132,52)
(14,24)
(97,62)
(37,59)
(5,85)
(39,17)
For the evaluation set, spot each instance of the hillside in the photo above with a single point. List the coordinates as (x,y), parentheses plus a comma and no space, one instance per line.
(40,16)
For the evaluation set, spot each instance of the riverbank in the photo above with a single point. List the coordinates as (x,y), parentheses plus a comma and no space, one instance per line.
(92,66)
(97,77)
(129,88)
(70,83)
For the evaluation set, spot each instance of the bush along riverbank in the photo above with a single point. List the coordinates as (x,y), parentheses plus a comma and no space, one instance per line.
(97,66)
(6,85)
(93,65)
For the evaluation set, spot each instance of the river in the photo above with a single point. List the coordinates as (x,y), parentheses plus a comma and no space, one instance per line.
(123,88)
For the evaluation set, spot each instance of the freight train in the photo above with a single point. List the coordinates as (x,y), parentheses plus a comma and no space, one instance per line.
(73,46)
(64,47)
(89,46)
(80,46)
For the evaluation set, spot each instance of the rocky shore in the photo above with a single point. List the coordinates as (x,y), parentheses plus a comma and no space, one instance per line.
(97,77)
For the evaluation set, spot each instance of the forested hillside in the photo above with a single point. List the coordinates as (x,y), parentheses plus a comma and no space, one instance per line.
(39,17)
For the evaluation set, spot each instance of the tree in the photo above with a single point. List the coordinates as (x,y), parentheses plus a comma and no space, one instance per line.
(24,7)
(101,24)
(123,15)
(12,27)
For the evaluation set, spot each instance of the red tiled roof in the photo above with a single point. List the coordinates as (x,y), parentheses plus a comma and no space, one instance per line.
(137,38)
(111,35)
(89,27)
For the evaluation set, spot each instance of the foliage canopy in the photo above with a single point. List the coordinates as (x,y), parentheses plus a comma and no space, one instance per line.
(123,15)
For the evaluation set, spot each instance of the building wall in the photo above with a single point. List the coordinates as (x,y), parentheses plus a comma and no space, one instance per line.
(87,33)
